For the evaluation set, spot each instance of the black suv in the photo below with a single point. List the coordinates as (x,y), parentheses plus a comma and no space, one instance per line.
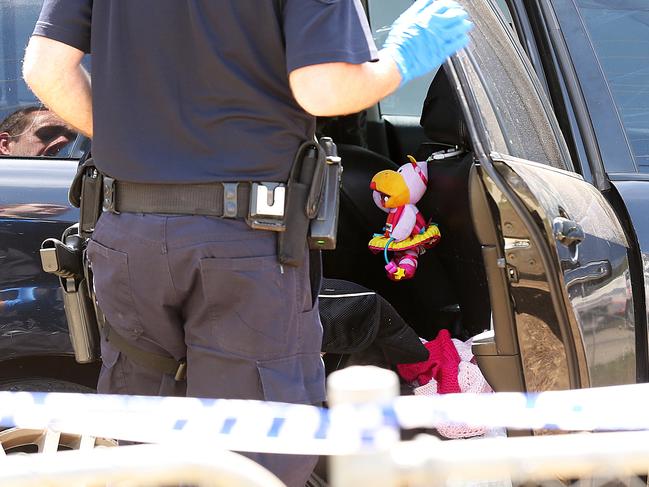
(545,239)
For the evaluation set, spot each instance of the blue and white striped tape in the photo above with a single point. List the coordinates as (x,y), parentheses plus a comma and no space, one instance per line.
(596,409)
(288,428)
(231,424)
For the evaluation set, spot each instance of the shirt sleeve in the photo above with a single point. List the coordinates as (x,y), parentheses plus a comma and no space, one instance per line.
(66,21)
(326,31)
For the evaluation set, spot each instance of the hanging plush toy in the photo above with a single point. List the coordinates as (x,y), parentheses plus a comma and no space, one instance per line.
(406,232)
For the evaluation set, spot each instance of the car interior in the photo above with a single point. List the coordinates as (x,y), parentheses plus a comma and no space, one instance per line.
(449,290)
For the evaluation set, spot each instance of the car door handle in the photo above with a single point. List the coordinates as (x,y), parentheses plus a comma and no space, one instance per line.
(567,232)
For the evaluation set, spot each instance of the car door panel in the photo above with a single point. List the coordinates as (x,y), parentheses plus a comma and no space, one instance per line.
(564,340)
(595,269)
(560,244)
(497,352)
(547,351)
(635,196)
(33,207)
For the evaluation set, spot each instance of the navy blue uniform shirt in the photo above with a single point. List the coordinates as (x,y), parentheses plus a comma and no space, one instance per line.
(197,90)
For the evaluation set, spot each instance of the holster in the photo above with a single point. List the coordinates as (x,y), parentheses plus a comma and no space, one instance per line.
(311,182)
(300,188)
(323,229)
(65,259)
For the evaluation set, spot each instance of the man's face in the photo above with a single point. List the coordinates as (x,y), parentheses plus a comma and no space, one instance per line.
(45,135)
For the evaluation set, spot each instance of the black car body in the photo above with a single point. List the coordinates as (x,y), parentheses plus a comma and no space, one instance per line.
(545,238)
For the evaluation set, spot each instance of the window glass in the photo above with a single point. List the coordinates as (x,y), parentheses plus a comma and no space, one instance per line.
(524,116)
(619,32)
(409,99)
(27,129)
(504,9)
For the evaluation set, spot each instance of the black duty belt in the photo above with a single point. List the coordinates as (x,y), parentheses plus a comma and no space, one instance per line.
(228,200)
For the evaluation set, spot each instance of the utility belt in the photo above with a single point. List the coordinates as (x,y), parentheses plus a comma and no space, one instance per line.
(305,208)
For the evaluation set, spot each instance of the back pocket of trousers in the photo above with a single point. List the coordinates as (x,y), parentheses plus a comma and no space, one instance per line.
(113,287)
(251,303)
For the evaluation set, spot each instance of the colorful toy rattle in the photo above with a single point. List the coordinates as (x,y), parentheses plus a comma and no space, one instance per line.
(406,232)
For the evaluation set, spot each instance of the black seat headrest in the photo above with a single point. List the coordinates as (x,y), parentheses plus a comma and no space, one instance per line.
(441,116)
(360,166)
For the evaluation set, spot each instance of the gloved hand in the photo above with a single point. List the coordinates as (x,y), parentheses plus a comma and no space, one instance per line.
(426,34)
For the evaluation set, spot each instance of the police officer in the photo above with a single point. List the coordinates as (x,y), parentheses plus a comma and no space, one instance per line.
(194,101)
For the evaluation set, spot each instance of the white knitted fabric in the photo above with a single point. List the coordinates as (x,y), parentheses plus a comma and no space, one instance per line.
(470,380)
(463,349)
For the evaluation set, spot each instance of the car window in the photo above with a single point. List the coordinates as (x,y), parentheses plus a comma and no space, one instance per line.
(27,128)
(619,33)
(409,99)
(504,9)
(515,96)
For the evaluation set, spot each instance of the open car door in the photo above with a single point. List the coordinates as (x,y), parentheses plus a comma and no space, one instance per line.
(554,251)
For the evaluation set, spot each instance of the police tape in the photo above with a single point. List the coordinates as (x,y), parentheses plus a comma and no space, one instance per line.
(238,425)
(258,426)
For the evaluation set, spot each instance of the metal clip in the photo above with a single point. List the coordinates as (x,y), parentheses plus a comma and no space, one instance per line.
(230,205)
(267,203)
(181,371)
(109,195)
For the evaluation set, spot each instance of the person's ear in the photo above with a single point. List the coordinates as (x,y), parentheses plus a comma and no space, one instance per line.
(5,140)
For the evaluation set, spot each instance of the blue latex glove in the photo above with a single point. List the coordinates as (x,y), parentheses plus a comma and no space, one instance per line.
(426,34)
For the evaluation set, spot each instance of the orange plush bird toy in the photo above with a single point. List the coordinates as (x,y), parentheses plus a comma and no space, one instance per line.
(406,232)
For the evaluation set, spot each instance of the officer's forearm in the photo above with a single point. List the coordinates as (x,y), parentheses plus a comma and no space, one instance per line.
(54,72)
(340,88)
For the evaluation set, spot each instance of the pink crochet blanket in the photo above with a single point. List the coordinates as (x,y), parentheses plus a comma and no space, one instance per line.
(442,365)
(450,368)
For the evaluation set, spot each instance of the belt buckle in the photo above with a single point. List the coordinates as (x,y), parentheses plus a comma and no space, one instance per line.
(267,203)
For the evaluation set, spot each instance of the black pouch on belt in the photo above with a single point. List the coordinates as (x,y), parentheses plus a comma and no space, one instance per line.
(86,193)
(304,190)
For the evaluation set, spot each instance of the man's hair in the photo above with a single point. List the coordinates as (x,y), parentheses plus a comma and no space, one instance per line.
(16,123)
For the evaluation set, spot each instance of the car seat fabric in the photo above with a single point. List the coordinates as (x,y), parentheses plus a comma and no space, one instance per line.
(447,202)
(459,251)
(418,301)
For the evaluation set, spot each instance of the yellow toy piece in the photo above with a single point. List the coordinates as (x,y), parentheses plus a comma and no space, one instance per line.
(426,238)
(400,274)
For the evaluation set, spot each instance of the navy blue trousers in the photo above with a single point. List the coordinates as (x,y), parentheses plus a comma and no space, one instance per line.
(213,291)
